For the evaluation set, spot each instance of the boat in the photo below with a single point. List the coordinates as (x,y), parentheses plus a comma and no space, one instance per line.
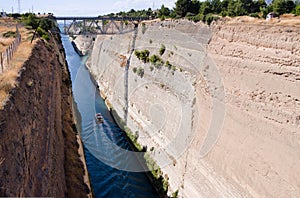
(99,118)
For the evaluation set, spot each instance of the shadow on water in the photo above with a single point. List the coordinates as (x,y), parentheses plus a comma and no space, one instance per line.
(106,181)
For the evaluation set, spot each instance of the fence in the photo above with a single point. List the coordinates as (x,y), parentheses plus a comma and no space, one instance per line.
(6,56)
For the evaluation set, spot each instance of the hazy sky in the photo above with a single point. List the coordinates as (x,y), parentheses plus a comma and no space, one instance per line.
(81,7)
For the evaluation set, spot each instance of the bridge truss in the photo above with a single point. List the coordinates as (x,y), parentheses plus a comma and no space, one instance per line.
(99,25)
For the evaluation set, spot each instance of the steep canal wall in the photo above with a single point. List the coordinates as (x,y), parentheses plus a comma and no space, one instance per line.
(217,107)
(38,145)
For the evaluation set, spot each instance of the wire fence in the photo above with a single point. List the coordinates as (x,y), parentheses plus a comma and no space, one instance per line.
(6,56)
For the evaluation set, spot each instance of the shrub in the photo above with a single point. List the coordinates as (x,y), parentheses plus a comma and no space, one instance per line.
(137,54)
(210,18)
(142,55)
(297,10)
(162,49)
(46,24)
(46,37)
(41,32)
(140,72)
(30,20)
(168,65)
(157,178)
(175,194)
(156,61)
(151,68)
(134,70)
(254,15)
(10,34)
(197,18)
(173,68)
(143,28)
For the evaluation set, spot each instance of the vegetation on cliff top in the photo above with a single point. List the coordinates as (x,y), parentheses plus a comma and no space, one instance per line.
(207,11)
(41,25)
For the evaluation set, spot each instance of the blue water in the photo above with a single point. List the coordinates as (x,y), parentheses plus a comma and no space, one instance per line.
(100,140)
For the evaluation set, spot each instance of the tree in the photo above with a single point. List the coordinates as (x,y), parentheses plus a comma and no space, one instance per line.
(182,7)
(290,6)
(279,6)
(224,7)
(205,8)
(247,6)
(297,10)
(257,5)
(163,11)
(235,8)
(216,6)
(194,7)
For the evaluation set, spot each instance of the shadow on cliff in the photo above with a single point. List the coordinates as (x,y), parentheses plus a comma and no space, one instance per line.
(132,47)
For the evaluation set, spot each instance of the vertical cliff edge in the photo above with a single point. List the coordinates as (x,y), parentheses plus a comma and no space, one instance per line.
(218,107)
(39,149)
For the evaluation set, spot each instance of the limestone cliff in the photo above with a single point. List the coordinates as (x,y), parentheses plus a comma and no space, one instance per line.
(38,149)
(220,109)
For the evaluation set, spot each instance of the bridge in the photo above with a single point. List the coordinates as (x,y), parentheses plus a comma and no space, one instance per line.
(99,25)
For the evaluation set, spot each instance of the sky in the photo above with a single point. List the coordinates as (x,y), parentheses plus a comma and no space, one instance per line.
(81,7)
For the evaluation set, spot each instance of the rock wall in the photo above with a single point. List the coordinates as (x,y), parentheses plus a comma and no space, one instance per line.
(39,150)
(222,118)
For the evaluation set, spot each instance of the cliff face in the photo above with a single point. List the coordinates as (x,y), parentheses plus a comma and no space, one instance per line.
(221,117)
(39,150)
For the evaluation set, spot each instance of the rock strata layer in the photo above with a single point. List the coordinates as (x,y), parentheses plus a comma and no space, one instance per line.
(221,114)
(38,146)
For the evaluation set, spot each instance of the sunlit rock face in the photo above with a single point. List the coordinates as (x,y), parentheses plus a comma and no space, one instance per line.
(219,110)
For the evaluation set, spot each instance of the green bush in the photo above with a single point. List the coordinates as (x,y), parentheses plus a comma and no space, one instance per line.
(156,61)
(197,18)
(42,25)
(143,28)
(134,70)
(175,194)
(254,15)
(173,68)
(162,49)
(142,55)
(168,65)
(10,34)
(137,54)
(210,18)
(297,10)
(140,72)
(41,31)
(46,24)
(46,37)
(30,20)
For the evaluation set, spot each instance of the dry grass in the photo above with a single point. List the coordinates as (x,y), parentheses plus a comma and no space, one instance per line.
(284,20)
(5,26)
(8,78)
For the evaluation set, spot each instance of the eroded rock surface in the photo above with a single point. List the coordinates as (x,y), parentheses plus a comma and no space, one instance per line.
(38,145)
(224,120)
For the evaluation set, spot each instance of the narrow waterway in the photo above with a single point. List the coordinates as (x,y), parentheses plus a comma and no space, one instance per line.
(106,181)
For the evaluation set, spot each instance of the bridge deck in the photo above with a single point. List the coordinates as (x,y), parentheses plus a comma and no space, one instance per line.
(102,18)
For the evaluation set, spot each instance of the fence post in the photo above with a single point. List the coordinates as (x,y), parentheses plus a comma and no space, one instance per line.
(9,52)
(1,61)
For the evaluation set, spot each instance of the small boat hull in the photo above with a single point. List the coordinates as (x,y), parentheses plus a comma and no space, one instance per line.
(99,118)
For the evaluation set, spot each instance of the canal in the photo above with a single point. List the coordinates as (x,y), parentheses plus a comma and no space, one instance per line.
(98,139)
